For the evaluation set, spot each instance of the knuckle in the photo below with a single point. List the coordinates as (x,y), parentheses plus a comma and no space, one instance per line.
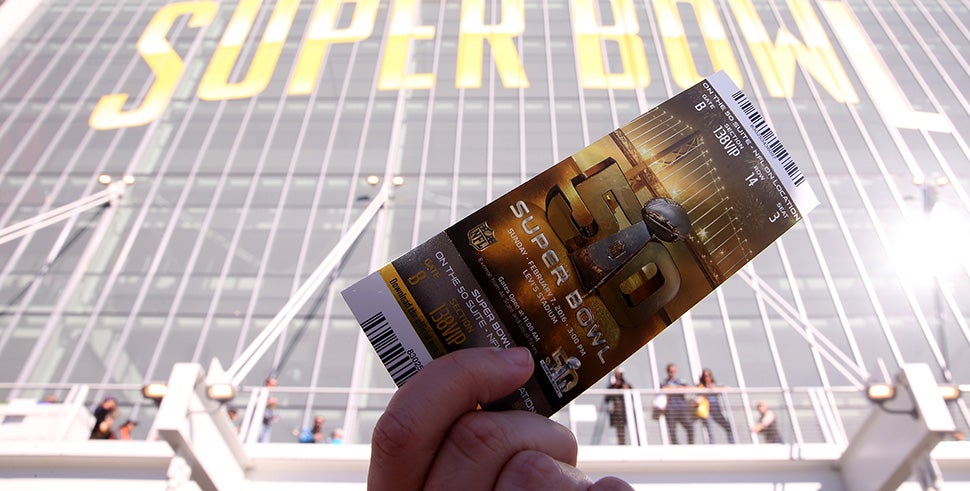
(477,436)
(529,470)
(465,372)
(611,483)
(474,370)
(569,445)
(393,435)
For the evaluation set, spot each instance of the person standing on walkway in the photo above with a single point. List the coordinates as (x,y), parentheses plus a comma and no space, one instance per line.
(616,405)
(678,411)
(715,411)
(269,417)
(768,425)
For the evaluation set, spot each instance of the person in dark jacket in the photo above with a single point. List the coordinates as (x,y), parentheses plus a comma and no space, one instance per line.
(617,406)
(104,430)
(107,408)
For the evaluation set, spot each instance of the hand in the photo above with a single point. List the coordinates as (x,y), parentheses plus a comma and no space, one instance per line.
(431,435)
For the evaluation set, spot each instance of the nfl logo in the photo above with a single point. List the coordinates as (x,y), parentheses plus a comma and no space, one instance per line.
(481,237)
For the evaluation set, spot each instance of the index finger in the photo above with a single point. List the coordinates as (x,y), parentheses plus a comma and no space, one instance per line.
(420,414)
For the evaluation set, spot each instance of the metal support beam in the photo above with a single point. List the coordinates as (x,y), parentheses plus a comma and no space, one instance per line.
(842,362)
(899,434)
(200,433)
(244,364)
(109,195)
(13,15)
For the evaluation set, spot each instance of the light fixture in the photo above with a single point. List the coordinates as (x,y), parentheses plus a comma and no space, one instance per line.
(949,392)
(397,180)
(104,179)
(221,392)
(883,393)
(880,392)
(128,179)
(373,180)
(154,391)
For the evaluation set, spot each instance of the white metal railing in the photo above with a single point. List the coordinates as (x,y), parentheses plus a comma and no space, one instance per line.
(824,415)
(30,420)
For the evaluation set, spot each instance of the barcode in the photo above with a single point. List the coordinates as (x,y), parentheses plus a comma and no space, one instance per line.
(769,138)
(389,348)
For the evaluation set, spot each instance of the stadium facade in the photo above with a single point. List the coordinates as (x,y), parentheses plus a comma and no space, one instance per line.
(253,131)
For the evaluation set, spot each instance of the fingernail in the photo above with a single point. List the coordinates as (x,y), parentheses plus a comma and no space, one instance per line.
(517,356)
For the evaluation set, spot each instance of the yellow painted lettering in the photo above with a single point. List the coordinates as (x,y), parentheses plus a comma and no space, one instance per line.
(590,33)
(397,49)
(883,89)
(215,83)
(777,61)
(682,66)
(165,63)
(323,32)
(472,36)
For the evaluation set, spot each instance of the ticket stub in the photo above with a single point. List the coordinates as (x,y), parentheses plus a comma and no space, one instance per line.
(589,260)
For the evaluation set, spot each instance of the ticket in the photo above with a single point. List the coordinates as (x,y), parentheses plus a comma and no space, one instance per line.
(589,260)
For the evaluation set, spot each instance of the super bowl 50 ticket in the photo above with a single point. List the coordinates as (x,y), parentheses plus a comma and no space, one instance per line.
(589,260)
